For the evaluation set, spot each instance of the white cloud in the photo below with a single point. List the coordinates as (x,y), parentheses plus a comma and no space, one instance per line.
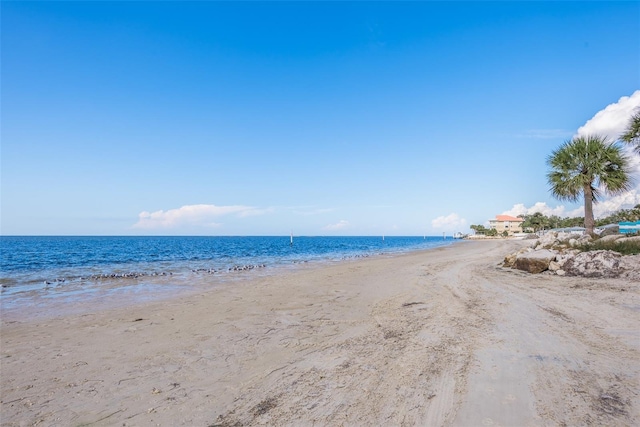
(198,215)
(615,203)
(449,222)
(612,120)
(634,161)
(341,225)
(542,207)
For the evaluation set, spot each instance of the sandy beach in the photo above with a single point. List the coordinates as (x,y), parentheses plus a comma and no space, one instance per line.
(443,337)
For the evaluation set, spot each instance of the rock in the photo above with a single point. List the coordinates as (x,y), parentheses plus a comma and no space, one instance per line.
(510,260)
(564,236)
(555,240)
(554,266)
(534,262)
(562,258)
(630,265)
(610,238)
(594,264)
(630,262)
(561,272)
(547,240)
(584,239)
(629,239)
(610,231)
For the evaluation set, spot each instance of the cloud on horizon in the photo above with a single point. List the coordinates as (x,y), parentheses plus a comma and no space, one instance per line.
(340,225)
(543,208)
(448,222)
(192,215)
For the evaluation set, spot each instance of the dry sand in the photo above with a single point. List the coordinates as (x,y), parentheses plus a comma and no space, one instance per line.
(442,337)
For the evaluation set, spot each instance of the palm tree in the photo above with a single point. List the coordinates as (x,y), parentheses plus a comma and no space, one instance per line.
(587,166)
(632,134)
(538,221)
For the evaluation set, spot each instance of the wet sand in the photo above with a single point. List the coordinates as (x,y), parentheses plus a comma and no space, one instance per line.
(440,337)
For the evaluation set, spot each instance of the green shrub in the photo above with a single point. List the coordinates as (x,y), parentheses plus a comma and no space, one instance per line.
(622,246)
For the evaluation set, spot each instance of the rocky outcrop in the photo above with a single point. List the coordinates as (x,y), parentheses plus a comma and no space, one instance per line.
(534,261)
(594,264)
(630,266)
(611,238)
(561,240)
(560,254)
(510,259)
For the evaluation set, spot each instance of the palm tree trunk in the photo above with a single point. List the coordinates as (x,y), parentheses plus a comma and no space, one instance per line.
(588,210)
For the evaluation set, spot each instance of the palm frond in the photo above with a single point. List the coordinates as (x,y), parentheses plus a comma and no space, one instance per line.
(632,133)
(588,164)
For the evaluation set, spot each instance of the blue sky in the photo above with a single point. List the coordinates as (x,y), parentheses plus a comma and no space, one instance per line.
(318,118)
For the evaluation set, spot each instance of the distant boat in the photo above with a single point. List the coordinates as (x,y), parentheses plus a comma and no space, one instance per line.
(291,243)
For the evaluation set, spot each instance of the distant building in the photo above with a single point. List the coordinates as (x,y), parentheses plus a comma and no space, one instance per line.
(506,223)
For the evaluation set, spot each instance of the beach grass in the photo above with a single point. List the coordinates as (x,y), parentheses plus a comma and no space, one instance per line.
(622,246)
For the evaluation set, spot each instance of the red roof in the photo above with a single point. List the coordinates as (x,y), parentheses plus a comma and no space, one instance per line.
(508,218)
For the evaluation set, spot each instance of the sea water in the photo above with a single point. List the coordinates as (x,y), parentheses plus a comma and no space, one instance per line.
(37,268)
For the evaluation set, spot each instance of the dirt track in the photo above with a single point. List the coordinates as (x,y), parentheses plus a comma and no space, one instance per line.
(443,337)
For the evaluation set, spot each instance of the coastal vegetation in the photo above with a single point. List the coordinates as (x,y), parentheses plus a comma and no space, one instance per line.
(586,167)
(481,229)
(623,246)
(538,221)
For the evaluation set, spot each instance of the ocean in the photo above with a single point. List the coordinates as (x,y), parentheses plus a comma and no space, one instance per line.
(37,269)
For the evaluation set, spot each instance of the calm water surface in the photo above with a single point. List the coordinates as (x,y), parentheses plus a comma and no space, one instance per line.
(38,269)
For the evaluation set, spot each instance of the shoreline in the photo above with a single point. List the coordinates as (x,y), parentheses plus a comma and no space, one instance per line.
(436,337)
(105,292)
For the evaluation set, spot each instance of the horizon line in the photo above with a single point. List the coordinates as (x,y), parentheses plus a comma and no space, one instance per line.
(225,235)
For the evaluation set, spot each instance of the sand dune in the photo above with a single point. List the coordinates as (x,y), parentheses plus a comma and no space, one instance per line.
(441,337)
